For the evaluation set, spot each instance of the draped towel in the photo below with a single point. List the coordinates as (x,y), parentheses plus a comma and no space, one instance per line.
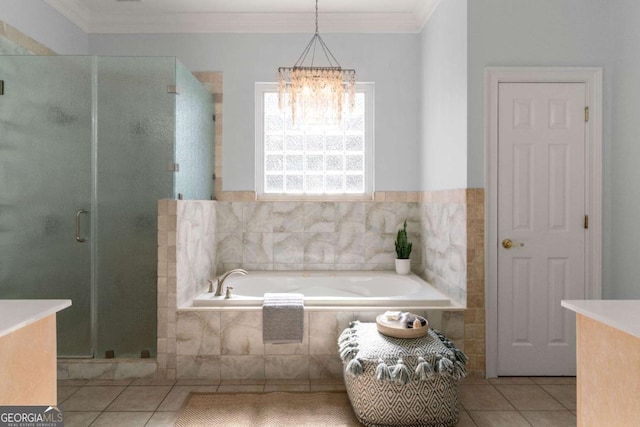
(282,318)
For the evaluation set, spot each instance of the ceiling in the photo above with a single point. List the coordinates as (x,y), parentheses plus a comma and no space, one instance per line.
(246,16)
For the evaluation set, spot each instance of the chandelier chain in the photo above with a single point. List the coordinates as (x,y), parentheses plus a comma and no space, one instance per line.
(316,16)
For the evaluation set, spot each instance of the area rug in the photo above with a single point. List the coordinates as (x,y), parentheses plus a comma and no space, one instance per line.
(275,409)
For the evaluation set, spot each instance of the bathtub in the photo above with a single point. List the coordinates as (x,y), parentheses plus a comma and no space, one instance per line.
(360,289)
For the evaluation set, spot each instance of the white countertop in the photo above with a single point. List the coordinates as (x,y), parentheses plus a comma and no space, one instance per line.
(620,314)
(18,313)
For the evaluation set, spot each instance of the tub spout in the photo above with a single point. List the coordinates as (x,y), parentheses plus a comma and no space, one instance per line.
(222,278)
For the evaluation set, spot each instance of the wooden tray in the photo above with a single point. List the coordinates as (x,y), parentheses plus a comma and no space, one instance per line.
(397,329)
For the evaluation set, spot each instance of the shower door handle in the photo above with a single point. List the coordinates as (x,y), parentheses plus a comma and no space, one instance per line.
(78,238)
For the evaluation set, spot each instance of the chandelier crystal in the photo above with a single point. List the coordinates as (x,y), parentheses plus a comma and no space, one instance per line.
(316,94)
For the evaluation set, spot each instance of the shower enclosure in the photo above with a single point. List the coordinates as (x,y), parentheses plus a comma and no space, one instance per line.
(87,147)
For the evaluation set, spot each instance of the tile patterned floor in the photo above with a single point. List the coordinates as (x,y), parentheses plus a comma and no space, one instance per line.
(497,402)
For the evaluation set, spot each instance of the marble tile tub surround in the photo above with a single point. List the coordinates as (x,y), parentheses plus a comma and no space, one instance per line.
(453,258)
(313,235)
(195,247)
(227,345)
(270,233)
(446,229)
(186,260)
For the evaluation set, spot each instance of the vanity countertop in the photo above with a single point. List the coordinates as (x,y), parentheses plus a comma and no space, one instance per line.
(18,313)
(620,314)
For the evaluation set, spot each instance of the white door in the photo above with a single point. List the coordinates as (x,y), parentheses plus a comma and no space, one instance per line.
(541,225)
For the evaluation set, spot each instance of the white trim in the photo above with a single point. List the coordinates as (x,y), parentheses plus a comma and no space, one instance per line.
(424,11)
(205,23)
(592,77)
(369,133)
(122,19)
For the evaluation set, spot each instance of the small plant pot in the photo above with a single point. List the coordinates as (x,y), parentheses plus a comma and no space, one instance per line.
(403,266)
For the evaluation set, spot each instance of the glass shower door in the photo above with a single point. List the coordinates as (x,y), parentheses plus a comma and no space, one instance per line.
(195,131)
(45,189)
(136,132)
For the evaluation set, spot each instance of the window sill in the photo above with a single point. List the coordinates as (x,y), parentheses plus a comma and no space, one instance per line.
(315,197)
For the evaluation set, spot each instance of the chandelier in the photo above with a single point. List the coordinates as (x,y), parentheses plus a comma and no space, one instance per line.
(316,94)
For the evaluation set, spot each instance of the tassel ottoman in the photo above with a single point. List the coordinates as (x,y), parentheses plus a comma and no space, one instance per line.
(401,382)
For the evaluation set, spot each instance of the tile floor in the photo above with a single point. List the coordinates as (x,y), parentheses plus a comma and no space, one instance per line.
(506,401)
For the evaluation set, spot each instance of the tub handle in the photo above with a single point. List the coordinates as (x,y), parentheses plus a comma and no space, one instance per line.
(228,292)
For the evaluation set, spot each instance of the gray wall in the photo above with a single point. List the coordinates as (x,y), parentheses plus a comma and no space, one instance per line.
(41,22)
(521,33)
(623,234)
(443,101)
(550,33)
(388,60)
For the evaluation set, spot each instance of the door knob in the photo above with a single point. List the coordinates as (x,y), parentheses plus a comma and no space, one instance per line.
(508,244)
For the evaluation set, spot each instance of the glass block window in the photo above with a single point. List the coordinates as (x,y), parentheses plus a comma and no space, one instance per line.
(313,160)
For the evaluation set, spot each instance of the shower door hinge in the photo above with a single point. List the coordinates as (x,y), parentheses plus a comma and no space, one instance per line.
(173,167)
(214,117)
(586,114)
(173,89)
(586,222)
(2,89)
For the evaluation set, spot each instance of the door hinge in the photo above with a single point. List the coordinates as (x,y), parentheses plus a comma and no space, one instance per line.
(586,114)
(214,117)
(173,89)
(586,222)
(173,167)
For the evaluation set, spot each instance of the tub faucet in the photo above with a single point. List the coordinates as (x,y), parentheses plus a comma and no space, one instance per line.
(222,278)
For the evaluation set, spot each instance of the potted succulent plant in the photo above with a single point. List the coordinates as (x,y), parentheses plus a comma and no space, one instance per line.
(403,251)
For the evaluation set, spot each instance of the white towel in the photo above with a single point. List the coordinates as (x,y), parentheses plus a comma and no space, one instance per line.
(282,318)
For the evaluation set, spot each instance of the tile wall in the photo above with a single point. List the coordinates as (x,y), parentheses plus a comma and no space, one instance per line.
(444,242)
(453,259)
(313,235)
(227,345)
(106,369)
(186,260)
(449,252)
(474,315)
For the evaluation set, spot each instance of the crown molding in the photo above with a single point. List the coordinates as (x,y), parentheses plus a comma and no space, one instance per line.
(78,12)
(423,12)
(74,10)
(258,23)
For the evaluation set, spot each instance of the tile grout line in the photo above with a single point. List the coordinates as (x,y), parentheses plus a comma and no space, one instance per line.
(519,411)
(110,403)
(263,387)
